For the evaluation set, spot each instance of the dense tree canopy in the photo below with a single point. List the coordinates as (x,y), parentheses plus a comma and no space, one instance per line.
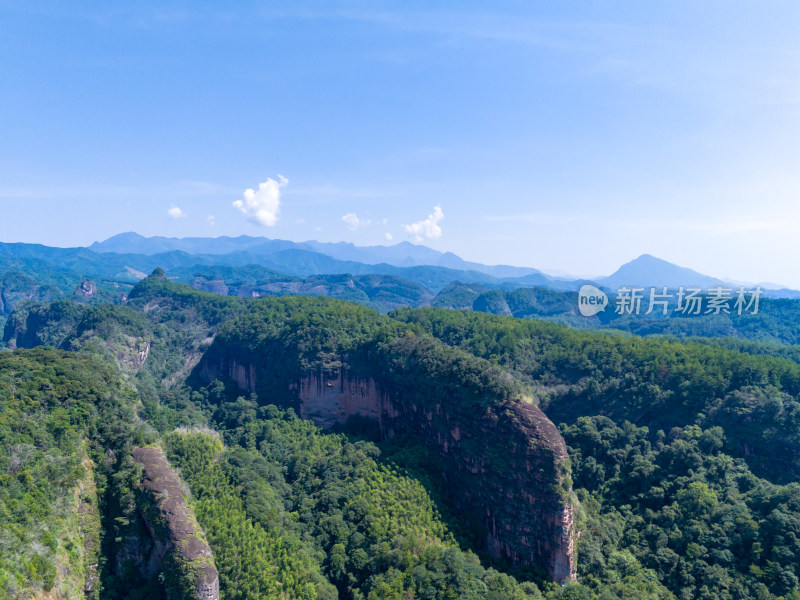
(685,453)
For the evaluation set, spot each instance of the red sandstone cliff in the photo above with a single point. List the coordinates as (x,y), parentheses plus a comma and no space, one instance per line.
(504,466)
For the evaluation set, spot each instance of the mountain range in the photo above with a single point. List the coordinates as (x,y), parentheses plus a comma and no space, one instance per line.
(404,254)
(382,277)
(315,258)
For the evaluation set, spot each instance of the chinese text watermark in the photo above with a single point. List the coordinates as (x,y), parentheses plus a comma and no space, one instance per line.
(684,301)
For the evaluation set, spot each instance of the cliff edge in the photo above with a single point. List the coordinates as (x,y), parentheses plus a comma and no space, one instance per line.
(505,464)
(181,549)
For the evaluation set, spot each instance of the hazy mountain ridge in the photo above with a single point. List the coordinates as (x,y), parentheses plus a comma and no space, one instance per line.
(647,270)
(31,273)
(249,266)
(404,254)
(315,258)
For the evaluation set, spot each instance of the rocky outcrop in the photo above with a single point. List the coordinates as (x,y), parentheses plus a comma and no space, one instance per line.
(505,468)
(332,399)
(86,501)
(179,546)
(86,290)
(505,465)
(493,302)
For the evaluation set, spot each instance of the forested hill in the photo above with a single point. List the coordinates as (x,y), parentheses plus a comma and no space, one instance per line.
(320,515)
(331,361)
(67,422)
(660,384)
(328,451)
(686,455)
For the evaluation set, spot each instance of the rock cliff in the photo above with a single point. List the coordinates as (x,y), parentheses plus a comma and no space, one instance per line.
(179,547)
(505,463)
(503,467)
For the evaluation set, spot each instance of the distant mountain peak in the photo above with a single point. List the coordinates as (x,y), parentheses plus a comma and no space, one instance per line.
(647,270)
(128,236)
(649,259)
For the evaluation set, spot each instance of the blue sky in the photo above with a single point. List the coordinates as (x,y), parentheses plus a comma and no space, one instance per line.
(561,137)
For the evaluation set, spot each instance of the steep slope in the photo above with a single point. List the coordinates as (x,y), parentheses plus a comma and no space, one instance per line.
(686,456)
(504,462)
(179,543)
(661,437)
(653,382)
(51,426)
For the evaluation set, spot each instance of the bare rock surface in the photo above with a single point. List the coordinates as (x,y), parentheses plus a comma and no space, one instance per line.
(175,527)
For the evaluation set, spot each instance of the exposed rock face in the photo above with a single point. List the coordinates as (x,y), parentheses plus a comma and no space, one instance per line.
(173,526)
(492,302)
(142,352)
(504,467)
(87,505)
(243,373)
(86,290)
(331,400)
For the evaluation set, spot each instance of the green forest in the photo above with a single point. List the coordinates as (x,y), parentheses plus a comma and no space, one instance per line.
(683,453)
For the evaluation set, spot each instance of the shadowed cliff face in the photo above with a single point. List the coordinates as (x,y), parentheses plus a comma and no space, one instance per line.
(504,462)
(241,371)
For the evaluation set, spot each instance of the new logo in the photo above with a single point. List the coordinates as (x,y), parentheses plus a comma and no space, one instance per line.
(591,300)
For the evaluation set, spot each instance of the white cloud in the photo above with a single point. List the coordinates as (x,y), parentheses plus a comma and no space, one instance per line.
(211,219)
(175,212)
(429,228)
(262,207)
(353,222)
(389,237)
(317,228)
